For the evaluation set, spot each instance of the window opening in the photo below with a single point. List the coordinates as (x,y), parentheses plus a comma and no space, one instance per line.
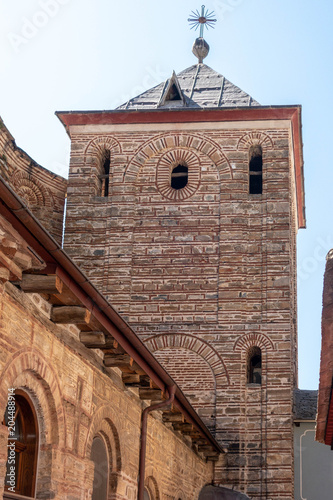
(255,170)
(173,94)
(23,454)
(99,456)
(146,495)
(254,366)
(105,177)
(179,176)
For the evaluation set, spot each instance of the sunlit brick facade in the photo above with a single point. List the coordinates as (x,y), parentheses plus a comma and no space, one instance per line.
(206,273)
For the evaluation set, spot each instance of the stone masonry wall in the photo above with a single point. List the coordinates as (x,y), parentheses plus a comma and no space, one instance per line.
(203,274)
(43,191)
(75,400)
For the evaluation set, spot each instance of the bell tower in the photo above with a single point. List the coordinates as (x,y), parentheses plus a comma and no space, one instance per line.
(183,209)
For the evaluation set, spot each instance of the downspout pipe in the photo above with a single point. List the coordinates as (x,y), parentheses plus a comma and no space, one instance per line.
(143,439)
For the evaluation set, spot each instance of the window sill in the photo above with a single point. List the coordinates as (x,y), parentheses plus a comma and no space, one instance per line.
(253,386)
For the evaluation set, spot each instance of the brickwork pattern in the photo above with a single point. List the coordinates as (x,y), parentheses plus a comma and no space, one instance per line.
(75,400)
(43,191)
(216,264)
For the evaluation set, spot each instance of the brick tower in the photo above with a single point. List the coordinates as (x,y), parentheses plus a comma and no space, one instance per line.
(183,208)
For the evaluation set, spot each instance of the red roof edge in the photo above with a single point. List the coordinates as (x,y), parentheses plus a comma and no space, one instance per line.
(253,113)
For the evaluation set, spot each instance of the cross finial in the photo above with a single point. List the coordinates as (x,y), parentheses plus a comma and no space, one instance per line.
(204,19)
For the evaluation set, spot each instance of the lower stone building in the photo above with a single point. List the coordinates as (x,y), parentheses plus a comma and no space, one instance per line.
(313,461)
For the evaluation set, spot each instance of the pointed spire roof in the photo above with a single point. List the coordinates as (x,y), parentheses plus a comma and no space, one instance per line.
(196,87)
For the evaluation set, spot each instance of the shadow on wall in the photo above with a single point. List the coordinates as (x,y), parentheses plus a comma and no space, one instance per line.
(219,493)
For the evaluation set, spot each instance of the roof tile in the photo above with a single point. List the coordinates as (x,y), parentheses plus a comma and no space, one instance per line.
(201,86)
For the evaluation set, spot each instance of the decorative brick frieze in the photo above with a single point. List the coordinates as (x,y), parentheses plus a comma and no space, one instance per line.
(41,190)
(164,142)
(253,138)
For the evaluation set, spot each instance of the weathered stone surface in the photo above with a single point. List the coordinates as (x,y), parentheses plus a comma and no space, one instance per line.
(305,404)
(75,400)
(203,276)
(42,191)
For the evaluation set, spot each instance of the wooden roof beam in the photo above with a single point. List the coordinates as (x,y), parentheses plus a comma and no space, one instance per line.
(148,394)
(118,361)
(93,340)
(70,314)
(39,283)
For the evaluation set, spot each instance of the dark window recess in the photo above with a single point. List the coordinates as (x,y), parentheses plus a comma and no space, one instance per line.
(254,366)
(146,495)
(105,177)
(179,177)
(173,94)
(255,170)
(101,471)
(23,453)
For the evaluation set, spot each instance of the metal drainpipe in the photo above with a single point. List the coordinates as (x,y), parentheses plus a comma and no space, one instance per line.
(143,440)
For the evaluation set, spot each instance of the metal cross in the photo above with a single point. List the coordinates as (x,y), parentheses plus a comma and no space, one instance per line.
(203,20)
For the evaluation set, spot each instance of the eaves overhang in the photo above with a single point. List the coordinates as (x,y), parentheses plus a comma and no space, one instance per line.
(238,114)
(57,261)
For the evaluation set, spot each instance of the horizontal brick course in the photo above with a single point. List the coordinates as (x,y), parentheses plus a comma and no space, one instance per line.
(217,266)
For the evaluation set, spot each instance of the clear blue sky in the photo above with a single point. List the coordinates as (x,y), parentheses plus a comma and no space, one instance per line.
(84,54)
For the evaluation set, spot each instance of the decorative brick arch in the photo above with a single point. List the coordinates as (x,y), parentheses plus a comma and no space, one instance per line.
(245,342)
(151,484)
(179,495)
(44,376)
(102,423)
(31,190)
(192,343)
(253,139)
(98,145)
(169,141)
(31,373)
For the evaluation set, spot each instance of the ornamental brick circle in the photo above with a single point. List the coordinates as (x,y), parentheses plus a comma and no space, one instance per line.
(165,165)
(32,191)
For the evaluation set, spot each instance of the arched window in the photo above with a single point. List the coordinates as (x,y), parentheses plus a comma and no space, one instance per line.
(255,170)
(254,366)
(105,176)
(99,456)
(146,495)
(179,176)
(21,419)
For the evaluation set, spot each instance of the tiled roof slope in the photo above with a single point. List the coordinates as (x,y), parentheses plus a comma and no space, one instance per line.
(305,404)
(202,87)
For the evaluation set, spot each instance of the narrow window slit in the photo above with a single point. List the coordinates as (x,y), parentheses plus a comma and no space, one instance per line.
(255,170)
(254,366)
(105,177)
